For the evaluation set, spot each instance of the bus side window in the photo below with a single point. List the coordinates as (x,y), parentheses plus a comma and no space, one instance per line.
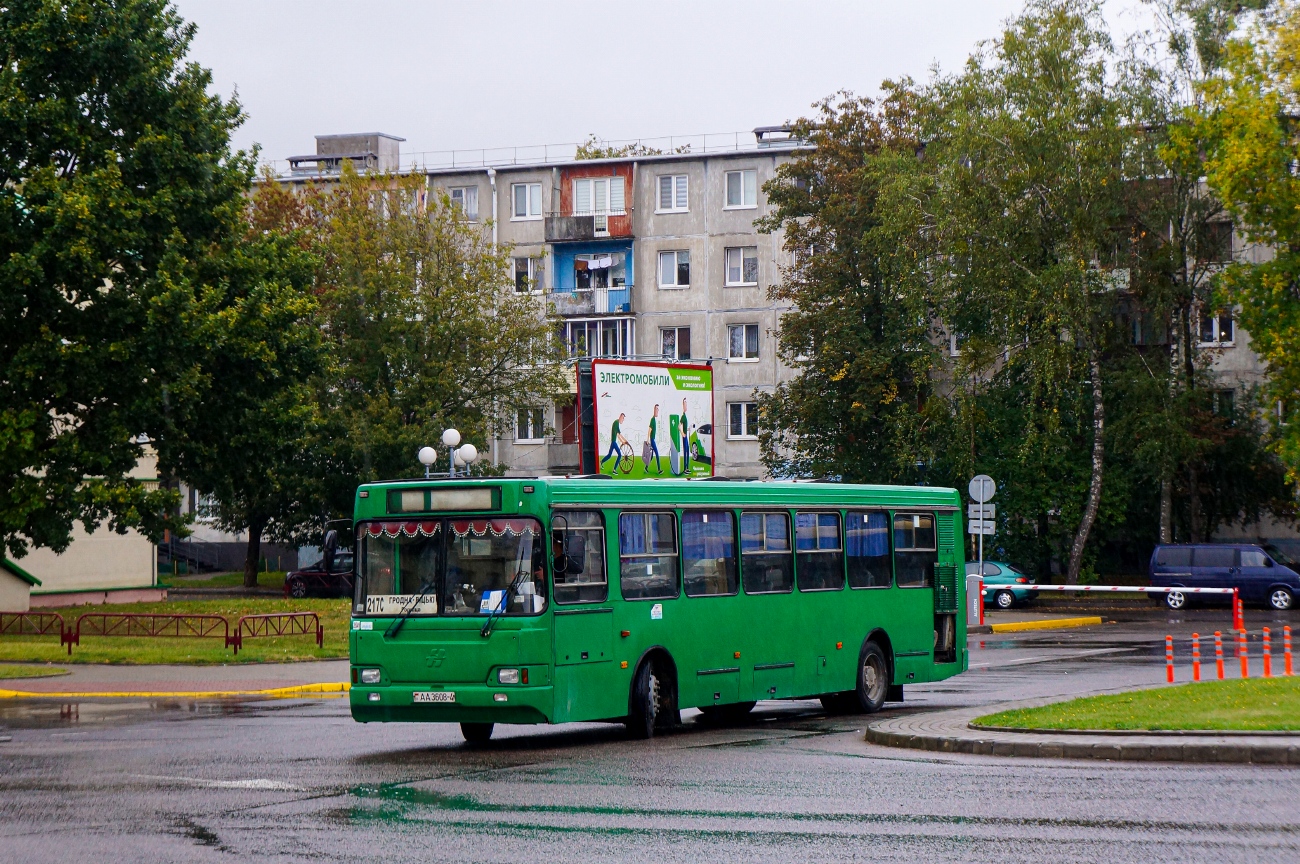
(578,556)
(708,552)
(867,546)
(915,552)
(647,548)
(819,557)
(766,565)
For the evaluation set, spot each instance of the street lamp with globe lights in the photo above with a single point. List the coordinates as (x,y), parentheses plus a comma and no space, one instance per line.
(450,438)
(427,457)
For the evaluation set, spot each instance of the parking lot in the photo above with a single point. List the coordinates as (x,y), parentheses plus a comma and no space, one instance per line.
(296,780)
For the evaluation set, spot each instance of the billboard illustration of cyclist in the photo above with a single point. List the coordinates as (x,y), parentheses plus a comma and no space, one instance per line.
(653,419)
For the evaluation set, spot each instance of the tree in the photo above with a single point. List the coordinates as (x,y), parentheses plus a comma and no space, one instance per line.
(1029,144)
(857,332)
(244,429)
(1252,140)
(424,327)
(116,181)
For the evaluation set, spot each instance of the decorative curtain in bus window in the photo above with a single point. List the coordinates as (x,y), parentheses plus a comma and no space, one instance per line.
(495,565)
(819,558)
(647,545)
(866,540)
(399,561)
(915,553)
(766,565)
(708,553)
(578,556)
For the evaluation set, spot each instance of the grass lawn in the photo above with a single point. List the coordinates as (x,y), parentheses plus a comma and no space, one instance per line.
(9,670)
(273,580)
(1257,704)
(334,615)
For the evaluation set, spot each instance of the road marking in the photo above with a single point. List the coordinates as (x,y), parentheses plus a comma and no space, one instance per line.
(1047,658)
(335,689)
(260,783)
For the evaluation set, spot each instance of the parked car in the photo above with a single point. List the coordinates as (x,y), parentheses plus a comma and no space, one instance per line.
(313,581)
(1004,584)
(1261,574)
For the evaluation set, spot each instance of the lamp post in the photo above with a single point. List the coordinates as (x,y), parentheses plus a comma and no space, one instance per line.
(450,438)
(427,457)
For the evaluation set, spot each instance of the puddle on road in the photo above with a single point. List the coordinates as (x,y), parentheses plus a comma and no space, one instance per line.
(57,713)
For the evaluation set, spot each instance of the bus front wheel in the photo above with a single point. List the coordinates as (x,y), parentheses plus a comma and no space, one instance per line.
(476,733)
(873,679)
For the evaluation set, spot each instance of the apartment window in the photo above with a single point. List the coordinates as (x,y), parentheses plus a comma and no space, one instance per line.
(744,419)
(1225,403)
(1214,243)
(604,337)
(1281,413)
(1216,327)
(742,342)
(676,342)
(742,265)
(530,426)
(528,200)
(599,197)
(528,275)
(604,270)
(675,269)
(742,189)
(672,194)
(466,198)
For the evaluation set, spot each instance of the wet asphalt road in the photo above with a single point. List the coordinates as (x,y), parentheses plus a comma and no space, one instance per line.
(299,780)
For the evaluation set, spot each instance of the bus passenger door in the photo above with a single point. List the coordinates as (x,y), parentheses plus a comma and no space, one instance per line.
(583,620)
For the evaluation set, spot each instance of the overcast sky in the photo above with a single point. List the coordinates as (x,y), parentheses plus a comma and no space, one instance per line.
(456,75)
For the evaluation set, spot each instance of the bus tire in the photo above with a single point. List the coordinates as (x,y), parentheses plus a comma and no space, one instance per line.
(476,733)
(873,679)
(644,702)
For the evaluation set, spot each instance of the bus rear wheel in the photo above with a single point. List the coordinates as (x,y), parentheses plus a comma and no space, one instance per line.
(873,680)
(477,733)
(644,702)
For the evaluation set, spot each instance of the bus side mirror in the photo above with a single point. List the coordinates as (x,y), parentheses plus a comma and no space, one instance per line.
(574,557)
(331,544)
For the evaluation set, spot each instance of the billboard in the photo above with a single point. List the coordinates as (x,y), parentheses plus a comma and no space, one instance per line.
(653,419)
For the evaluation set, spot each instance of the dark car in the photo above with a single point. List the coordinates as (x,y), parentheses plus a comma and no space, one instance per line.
(1261,574)
(313,581)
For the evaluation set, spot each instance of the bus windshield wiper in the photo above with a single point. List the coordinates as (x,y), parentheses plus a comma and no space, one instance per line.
(505,601)
(396,626)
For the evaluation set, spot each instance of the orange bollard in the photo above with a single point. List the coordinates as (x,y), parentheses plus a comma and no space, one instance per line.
(1169,659)
(1243,653)
(1218,652)
(1196,656)
(1286,648)
(1268,659)
(1238,613)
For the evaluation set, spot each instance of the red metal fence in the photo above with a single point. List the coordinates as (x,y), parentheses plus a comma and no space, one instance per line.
(162,625)
(277,624)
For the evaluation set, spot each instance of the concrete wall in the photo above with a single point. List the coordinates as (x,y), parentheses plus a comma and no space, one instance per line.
(15,593)
(102,559)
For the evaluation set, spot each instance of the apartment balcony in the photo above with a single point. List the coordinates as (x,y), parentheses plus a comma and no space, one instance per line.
(579,226)
(562,458)
(597,301)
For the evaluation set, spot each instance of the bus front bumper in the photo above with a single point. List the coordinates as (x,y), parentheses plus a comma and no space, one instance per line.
(474,703)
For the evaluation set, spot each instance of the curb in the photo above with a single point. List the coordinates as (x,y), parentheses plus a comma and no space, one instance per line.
(294,692)
(1274,754)
(1046,624)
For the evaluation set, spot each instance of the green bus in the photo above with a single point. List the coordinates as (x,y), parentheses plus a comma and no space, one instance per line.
(552,600)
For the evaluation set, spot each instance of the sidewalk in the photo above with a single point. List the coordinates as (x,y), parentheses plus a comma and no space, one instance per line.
(949,732)
(89,680)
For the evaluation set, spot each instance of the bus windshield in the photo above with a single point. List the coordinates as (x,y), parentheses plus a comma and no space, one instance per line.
(462,566)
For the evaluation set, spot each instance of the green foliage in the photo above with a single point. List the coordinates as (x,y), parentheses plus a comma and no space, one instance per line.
(1252,141)
(116,181)
(857,330)
(424,330)
(597,148)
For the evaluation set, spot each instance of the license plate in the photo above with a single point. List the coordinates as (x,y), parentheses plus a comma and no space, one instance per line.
(436,696)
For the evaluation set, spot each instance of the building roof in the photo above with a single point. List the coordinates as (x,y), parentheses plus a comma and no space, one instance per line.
(6,564)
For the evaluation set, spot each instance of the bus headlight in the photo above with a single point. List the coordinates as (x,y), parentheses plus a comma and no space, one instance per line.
(369,676)
(508,676)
